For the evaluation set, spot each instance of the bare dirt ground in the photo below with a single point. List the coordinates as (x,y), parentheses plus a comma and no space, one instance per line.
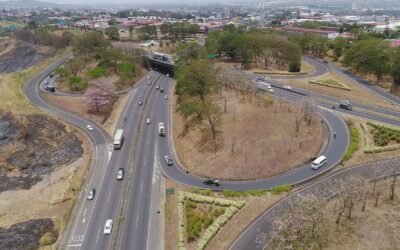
(357,93)
(22,57)
(78,105)
(257,140)
(254,206)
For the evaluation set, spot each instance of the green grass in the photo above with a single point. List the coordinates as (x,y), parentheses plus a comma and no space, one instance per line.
(354,143)
(330,82)
(281,189)
(231,193)
(383,135)
(199,219)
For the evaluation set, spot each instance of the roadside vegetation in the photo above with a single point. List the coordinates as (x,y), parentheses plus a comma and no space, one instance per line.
(354,141)
(380,138)
(366,54)
(255,48)
(330,82)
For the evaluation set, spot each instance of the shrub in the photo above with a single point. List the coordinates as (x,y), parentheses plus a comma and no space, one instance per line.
(281,188)
(62,72)
(354,143)
(76,84)
(47,239)
(96,72)
(294,66)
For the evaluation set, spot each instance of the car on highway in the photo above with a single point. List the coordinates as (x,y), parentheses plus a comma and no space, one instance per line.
(261,78)
(287,87)
(89,127)
(158,87)
(148,77)
(90,194)
(212,182)
(120,174)
(162,90)
(140,103)
(319,162)
(345,104)
(50,88)
(270,89)
(148,121)
(168,160)
(167,75)
(108,226)
(166,97)
(325,61)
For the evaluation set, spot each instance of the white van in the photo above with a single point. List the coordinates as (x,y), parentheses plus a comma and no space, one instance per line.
(319,162)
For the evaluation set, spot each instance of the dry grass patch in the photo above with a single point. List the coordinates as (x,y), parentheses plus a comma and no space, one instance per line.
(78,105)
(12,96)
(305,69)
(257,139)
(357,93)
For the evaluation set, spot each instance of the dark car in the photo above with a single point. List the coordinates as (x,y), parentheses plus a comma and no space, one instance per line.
(345,105)
(162,90)
(212,182)
(168,160)
(50,88)
(325,61)
(90,194)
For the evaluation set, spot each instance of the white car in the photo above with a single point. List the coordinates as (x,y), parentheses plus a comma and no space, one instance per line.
(89,127)
(108,226)
(148,121)
(270,89)
(287,87)
(166,97)
(120,174)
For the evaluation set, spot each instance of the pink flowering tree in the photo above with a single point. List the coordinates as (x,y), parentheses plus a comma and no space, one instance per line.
(99,97)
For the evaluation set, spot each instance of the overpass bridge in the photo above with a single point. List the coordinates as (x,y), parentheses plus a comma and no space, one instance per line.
(162,62)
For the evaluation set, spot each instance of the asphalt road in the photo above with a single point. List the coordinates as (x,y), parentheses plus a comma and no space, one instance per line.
(362,82)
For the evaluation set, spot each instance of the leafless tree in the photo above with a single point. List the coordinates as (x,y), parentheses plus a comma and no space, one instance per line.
(393,183)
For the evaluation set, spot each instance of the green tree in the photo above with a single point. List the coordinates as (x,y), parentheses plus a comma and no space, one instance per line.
(197,79)
(96,72)
(76,64)
(338,45)
(368,56)
(112,33)
(189,52)
(90,43)
(126,71)
(395,66)
(113,56)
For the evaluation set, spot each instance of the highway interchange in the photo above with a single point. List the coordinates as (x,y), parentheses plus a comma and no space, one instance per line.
(134,203)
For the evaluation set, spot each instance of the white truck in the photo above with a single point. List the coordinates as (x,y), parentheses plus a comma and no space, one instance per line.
(161,129)
(118,139)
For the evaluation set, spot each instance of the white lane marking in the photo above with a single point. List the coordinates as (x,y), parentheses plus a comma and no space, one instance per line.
(84,219)
(98,234)
(108,198)
(74,245)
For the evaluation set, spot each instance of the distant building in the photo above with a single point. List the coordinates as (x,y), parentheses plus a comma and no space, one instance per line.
(320,32)
(227,13)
